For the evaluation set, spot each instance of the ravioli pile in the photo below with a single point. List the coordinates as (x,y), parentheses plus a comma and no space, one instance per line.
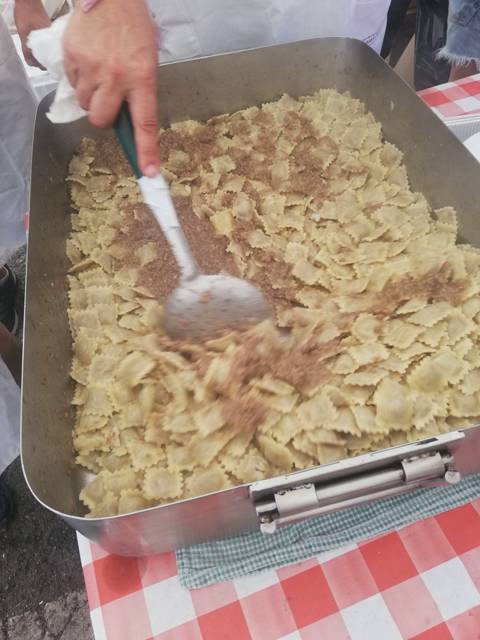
(376,337)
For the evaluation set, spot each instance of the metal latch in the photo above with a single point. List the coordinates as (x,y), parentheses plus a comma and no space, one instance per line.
(428,466)
(295,503)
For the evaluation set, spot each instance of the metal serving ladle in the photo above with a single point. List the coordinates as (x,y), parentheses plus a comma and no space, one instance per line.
(202,305)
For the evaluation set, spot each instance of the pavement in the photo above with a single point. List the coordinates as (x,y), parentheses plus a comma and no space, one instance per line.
(42,593)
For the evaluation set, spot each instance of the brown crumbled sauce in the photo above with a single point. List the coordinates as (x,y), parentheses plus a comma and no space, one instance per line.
(228,199)
(253,194)
(161,276)
(292,127)
(301,365)
(274,294)
(109,157)
(286,159)
(245,414)
(170,140)
(250,362)
(200,145)
(436,285)
(264,119)
(274,276)
(309,181)
(240,128)
(241,230)
(312,167)
(250,167)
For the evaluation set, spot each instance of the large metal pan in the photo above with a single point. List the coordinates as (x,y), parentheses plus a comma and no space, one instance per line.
(437,164)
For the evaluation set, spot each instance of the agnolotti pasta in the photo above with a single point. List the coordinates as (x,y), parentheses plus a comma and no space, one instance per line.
(377,309)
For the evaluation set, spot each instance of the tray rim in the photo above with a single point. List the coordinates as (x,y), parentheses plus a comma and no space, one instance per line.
(242,487)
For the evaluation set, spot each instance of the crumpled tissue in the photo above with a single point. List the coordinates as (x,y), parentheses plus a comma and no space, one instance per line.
(47,47)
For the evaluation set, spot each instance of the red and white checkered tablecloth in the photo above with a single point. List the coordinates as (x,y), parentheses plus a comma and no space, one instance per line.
(421,582)
(454,98)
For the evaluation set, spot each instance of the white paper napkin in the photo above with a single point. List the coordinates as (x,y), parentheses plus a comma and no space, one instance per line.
(47,47)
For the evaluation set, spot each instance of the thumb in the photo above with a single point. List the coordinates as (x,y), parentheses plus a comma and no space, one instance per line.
(143,108)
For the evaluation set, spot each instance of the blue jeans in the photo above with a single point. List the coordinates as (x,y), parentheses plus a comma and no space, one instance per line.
(463,34)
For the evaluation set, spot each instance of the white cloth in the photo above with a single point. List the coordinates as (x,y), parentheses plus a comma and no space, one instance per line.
(17,118)
(47,47)
(9,417)
(194,28)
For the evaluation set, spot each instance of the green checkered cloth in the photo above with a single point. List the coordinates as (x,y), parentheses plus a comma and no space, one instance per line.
(211,562)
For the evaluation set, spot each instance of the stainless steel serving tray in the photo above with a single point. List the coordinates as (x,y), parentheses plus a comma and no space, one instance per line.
(437,164)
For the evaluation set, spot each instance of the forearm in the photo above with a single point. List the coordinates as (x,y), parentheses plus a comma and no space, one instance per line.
(29,15)
(29,4)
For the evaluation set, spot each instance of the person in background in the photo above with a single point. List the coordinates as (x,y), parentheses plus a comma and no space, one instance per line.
(110,47)
(10,373)
(396,17)
(17,117)
(462,48)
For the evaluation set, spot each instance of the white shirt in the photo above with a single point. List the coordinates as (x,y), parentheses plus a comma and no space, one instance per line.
(193,28)
(17,116)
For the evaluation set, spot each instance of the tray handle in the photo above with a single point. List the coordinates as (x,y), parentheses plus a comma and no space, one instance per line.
(296,503)
(125,133)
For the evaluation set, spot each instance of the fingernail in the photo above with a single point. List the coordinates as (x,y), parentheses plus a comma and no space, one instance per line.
(87,4)
(151,171)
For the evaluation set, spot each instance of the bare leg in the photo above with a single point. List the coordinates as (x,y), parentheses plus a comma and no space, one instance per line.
(11,353)
(459,71)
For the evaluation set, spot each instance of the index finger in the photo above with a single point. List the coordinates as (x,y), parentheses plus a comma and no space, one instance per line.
(143,108)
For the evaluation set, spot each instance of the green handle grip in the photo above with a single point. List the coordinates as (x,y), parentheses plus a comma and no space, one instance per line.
(124,129)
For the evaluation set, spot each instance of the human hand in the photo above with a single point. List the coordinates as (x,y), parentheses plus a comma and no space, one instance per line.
(30,15)
(110,55)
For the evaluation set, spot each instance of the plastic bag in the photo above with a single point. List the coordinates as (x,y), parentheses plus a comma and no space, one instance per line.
(431,35)
(17,118)
(9,418)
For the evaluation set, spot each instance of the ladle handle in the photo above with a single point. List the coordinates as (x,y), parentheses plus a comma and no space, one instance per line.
(124,129)
(156,194)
